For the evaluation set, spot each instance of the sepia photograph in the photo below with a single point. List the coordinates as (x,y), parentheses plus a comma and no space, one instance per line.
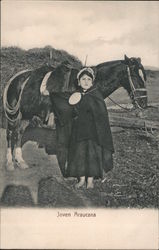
(79,124)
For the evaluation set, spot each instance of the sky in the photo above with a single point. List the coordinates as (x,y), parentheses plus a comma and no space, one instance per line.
(99,30)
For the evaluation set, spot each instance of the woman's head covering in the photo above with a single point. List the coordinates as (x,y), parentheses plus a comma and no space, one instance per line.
(88,71)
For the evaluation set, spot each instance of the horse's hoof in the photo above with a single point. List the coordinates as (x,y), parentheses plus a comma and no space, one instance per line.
(22,165)
(10,167)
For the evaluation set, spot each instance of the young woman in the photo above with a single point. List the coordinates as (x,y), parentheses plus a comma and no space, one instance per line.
(91,145)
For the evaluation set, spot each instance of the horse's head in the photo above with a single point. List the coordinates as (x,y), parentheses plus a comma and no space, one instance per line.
(136,81)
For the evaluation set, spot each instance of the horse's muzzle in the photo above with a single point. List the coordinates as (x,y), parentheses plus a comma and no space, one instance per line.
(141,98)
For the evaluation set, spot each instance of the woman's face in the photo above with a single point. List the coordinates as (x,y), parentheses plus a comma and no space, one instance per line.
(85,82)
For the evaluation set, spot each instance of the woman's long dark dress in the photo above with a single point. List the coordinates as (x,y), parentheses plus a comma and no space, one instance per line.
(91,145)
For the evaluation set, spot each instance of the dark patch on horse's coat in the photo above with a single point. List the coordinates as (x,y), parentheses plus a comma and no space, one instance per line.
(43,136)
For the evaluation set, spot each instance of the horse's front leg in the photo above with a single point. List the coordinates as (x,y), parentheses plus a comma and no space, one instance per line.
(18,157)
(10,164)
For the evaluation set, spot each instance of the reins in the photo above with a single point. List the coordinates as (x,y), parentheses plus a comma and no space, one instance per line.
(126,109)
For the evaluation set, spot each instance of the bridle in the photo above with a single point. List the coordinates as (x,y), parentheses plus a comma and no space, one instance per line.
(135,90)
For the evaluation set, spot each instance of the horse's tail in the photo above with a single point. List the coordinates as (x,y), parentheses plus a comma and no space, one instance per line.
(13,113)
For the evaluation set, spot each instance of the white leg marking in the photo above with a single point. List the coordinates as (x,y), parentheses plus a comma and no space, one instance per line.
(19,158)
(51,120)
(10,165)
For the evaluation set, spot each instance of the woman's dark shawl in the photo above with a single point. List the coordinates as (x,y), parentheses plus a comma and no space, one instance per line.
(92,121)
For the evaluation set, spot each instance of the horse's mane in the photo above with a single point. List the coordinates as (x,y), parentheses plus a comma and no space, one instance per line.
(108,63)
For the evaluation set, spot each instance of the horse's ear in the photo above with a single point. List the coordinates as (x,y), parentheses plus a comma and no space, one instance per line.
(126,58)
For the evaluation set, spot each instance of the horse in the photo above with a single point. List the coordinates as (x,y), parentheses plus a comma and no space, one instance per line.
(31,94)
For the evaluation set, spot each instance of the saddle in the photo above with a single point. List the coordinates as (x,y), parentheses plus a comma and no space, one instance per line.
(57,80)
